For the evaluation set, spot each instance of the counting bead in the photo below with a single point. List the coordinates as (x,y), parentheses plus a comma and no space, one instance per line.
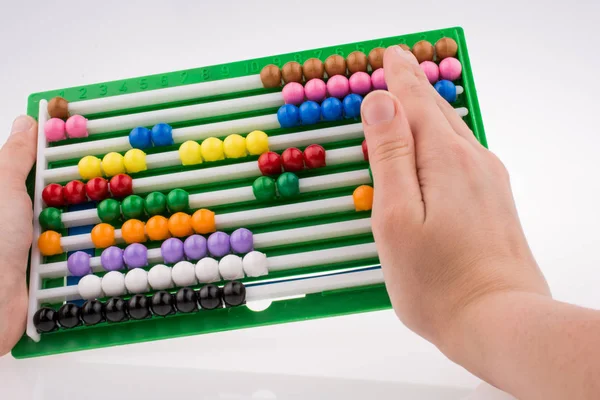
(133,231)
(116,310)
(49,243)
(90,287)
(431,70)
(171,250)
(68,315)
(376,58)
(218,244)
(363,198)
(54,129)
(92,312)
(212,149)
(159,277)
(292,160)
(138,307)
(234,294)
(207,270)
(230,267)
(78,263)
(335,65)
(162,134)
(135,161)
(264,188)
(338,86)
(184,274)
(360,83)
(450,69)
(203,221)
(292,72)
(209,297)
(190,153)
(314,156)
(288,184)
(241,241)
(365,150)
(58,107)
(44,320)
(161,303)
(180,224)
(50,218)
(121,185)
(132,207)
(97,189)
(423,51)
(332,109)
(76,127)
(136,281)
(109,210)
(378,79)
(113,283)
(155,203)
(74,192)
(269,163)
(310,113)
(447,90)
(257,142)
(140,138)
(113,164)
(157,228)
(89,167)
(288,116)
(135,255)
(195,247)
(270,76)
(53,195)
(313,68)
(103,235)
(234,146)
(446,47)
(315,90)
(179,199)
(112,259)
(255,264)
(186,300)
(351,105)
(293,93)
(356,61)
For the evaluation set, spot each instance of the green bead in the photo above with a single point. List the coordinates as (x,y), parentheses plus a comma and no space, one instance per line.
(156,203)
(50,219)
(288,184)
(132,207)
(178,200)
(109,210)
(264,188)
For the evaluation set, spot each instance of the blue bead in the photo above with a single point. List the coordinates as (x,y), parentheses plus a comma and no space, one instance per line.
(162,135)
(140,138)
(310,113)
(288,115)
(447,90)
(352,104)
(332,109)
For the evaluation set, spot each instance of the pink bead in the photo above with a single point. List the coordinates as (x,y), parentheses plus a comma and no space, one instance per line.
(55,130)
(432,72)
(76,127)
(360,83)
(338,86)
(293,93)
(315,90)
(450,69)
(378,79)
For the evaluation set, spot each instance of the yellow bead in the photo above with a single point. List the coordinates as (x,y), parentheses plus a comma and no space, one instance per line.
(135,161)
(90,167)
(234,146)
(113,164)
(257,142)
(212,149)
(190,153)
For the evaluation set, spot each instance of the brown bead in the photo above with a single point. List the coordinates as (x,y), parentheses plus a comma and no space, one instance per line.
(423,51)
(58,108)
(357,61)
(313,68)
(446,47)
(270,76)
(404,47)
(335,65)
(376,58)
(292,72)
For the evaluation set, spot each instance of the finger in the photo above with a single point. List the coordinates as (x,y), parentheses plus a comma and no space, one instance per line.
(392,155)
(19,152)
(456,122)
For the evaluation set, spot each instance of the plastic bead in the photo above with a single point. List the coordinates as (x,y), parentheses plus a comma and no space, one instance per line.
(97,189)
(257,142)
(446,47)
(133,231)
(234,294)
(103,235)
(431,70)
(44,320)
(207,270)
(360,83)
(89,167)
(255,264)
(179,199)
(293,93)
(113,164)
(314,156)
(161,303)
(76,127)
(241,241)
(121,185)
(332,109)
(351,105)
(270,76)
(132,207)
(212,149)
(180,224)
(109,210)
(288,184)
(186,300)
(136,281)
(90,287)
(291,72)
(171,250)
(203,221)
(423,51)
(310,113)
(313,68)
(218,244)
(269,163)
(447,90)
(230,267)
(375,58)
(157,228)
(74,192)
(195,247)
(450,69)
(184,274)
(190,153)
(140,138)
(138,307)
(50,218)
(49,243)
(135,161)
(112,259)
(69,315)
(335,65)
(288,116)
(264,188)
(357,61)
(338,86)
(54,129)
(113,283)
(53,195)
(363,198)
(116,310)
(234,146)
(78,263)
(378,79)
(209,297)
(159,277)
(365,150)
(315,90)
(135,256)
(162,134)
(155,203)
(58,107)
(92,312)
(292,160)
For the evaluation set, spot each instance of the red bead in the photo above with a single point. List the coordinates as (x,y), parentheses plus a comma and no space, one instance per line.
(75,192)
(292,160)
(314,156)
(269,163)
(121,185)
(97,189)
(365,150)
(53,195)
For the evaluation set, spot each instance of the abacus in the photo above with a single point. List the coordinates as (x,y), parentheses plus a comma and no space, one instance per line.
(165,205)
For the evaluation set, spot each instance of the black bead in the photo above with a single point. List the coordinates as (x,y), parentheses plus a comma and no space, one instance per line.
(69,315)
(92,312)
(162,303)
(116,309)
(234,293)
(44,320)
(186,300)
(138,306)
(209,297)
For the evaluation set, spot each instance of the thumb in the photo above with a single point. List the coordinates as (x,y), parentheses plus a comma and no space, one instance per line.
(392,156)
(19,152)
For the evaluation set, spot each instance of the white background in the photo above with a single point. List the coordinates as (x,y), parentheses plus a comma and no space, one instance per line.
(536,69)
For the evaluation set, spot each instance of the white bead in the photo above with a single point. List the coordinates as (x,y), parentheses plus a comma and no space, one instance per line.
(136,281)
(183,274)
(90,287)
(231,267)
(255,264)
(159,277)
(207,270)
(113,284)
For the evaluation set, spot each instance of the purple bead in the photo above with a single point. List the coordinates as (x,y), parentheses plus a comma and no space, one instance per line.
(135,256)
(218,244)
(242,241)
(195,247)
(172,250)
(78,263)
(112,259)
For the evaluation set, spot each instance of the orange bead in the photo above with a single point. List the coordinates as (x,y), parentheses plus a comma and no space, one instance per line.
(203,221)
(180,224)
(133,231)
(103,235)
(363,198)
(157,228)
(49,243)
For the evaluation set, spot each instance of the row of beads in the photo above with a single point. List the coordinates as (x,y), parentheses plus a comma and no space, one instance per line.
(449,69)
(77,192)
(311,112)
(143,138)
(267,188)
(292,160)
(134,206)
(112,164)
(56,129)
(213,149)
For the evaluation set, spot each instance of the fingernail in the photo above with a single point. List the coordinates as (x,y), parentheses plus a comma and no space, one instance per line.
(21,124)
(378,107)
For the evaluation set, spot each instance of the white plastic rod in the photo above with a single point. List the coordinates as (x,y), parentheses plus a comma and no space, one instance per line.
(462,111)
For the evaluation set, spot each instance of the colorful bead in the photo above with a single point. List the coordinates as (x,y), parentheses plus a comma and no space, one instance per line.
(54,129)
(161,303)
(44,320)
(365,150)
(138,306)
(113,164)
(292,160)
(133,231)
(76,126)
(89,167)
(132,207)
(288,116)
(203,221)
(92,312)
(335,65)
(121,185)
(288,184)
(234,294)
(357,62)
(135,256)
(450,69)
(255,264)
(74,192)
(293,93)
(113,284)
(360,83)
(257,142)
(58,107)
(135,161)
(78,263)
(115,309)
(179,199)
(375,58)
(112,259)
(231,267)
(209,297)
(140,138)
(338,86)
(180,224)
(97,189)
(186,299)
(270,76)
(103,235)
(190,153)
(162,134)
(446,47)
(431,70)
(109,210)
(212,149)
(183,274)
(136,281)
(351,105)
(207,270)
(314,156)
(90,287)
(264,188)
(313,68)
(171,250)
(310,113)
(292,72)
(234,146)
(159,277)
(315,90)
(68,316)
(194,247)
(332,109)
(218,244)
(241,241)
(50,218)
(447,90)
(423,51)
(378,79)
(53,195)
(363,198)
(269,163)
(155,203)
(157,228)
